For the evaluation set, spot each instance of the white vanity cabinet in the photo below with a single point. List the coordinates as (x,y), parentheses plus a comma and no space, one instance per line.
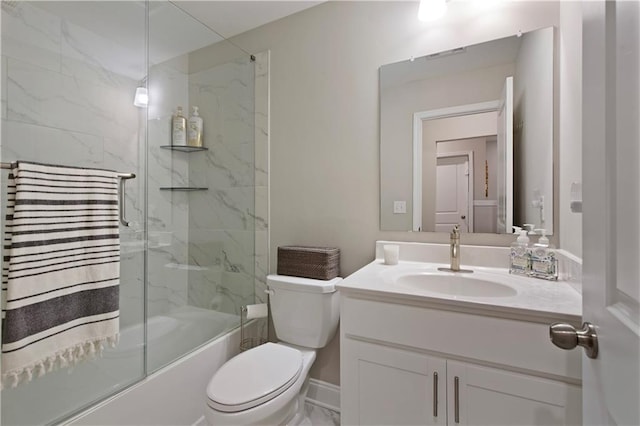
(480,395)
(406,362)
(391,386)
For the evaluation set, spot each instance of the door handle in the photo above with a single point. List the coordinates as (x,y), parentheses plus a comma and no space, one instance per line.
(435,394)
(456,399)
(565,336)
(463,217)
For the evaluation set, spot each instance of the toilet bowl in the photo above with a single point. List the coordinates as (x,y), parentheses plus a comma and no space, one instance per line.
(267,385)
(263,387)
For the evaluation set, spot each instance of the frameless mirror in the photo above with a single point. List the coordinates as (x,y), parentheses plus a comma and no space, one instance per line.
(466,137)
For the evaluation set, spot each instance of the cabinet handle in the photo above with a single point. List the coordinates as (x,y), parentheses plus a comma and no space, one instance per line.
(456,398)
(435,394)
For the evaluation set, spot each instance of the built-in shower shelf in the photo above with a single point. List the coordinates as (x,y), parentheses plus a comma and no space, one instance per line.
(184,148)
(182,188)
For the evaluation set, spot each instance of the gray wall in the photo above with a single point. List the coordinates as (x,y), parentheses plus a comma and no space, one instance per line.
(324,117)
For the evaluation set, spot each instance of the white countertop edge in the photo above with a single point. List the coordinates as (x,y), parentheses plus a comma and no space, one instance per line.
(463,306)
(365,283)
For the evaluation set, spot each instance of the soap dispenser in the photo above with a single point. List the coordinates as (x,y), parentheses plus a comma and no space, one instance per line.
(544,263)
(520,256)
(178,128)
(194,133)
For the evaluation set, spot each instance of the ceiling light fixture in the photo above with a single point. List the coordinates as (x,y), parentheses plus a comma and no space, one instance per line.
(430,10)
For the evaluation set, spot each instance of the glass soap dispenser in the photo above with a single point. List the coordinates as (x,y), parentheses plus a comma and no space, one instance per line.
(544,263)
(520,259)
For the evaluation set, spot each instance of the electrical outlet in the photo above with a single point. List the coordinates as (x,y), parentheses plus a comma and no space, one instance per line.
(399,207)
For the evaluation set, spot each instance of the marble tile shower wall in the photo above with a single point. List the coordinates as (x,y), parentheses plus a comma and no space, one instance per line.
(168,212)
(222,219)
(66,99)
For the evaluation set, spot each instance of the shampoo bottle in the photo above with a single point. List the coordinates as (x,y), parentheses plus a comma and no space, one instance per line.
(195,129)
(544,263)
(520,257)
(178,128)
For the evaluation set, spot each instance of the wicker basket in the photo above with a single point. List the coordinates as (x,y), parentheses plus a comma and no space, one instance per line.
(320,263)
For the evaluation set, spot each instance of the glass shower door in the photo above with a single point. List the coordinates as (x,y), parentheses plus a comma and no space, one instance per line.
(201,198)
(69,74)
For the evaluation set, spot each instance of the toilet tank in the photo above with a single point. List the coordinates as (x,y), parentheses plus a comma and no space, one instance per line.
(305,311)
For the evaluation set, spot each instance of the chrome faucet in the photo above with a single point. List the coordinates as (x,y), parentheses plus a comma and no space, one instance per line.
(454,242)
(454,253)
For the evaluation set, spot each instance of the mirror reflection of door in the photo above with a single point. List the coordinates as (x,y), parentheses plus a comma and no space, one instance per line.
(472,134)
(505,158)
(454,189)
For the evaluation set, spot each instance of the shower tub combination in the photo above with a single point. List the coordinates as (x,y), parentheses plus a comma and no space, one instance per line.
(179,397)
(69,74)
(169,335)
(173,395)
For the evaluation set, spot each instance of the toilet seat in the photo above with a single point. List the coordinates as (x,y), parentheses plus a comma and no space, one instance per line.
(254,377)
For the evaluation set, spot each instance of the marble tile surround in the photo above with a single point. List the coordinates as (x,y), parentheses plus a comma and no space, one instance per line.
(168,211)
(221,223)
(64,103)
(223,232)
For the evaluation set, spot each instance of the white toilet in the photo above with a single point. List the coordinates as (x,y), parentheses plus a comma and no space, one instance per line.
(267,385)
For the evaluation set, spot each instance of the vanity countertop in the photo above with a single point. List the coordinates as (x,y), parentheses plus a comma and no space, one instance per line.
(533,299)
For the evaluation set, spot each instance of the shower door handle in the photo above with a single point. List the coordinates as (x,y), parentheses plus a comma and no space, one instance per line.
(122,197)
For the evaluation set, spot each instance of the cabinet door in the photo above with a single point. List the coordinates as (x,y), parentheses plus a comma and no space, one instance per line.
(485,396)
(389,386)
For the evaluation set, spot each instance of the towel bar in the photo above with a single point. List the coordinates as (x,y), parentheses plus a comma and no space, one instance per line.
(121,190)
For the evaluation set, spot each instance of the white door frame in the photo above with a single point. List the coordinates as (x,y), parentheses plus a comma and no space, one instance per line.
(470,181)
(434,114)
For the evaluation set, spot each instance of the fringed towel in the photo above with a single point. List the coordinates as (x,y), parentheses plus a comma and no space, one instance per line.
(61,268)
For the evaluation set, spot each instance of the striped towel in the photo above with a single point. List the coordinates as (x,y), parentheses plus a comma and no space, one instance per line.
(61,268)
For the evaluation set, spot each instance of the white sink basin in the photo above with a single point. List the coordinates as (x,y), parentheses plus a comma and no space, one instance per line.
(467,285)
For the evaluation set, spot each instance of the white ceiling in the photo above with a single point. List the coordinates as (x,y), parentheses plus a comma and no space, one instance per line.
(173,29)
(230,18)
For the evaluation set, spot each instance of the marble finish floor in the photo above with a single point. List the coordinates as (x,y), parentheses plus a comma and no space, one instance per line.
(321,416)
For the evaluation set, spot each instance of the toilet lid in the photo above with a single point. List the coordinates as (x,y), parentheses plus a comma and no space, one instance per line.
(254,377)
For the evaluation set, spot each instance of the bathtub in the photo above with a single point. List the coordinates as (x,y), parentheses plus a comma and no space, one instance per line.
(174,394)
(170,336)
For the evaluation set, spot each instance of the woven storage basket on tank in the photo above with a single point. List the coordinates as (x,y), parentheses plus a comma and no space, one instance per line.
(320,263)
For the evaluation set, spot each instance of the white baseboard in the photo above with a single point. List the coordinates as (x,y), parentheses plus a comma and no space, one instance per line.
(324,395)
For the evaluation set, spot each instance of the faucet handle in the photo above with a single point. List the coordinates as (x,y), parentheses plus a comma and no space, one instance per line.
(455,232)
